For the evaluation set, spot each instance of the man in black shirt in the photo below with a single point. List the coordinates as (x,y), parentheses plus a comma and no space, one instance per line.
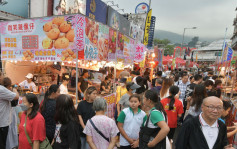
(83,84)
(205,131)
(158,76)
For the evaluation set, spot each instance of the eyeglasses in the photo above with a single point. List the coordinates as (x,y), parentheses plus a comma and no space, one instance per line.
(212,108)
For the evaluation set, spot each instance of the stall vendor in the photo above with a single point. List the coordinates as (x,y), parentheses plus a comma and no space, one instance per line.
(63,87)
(105,85)
(28,83)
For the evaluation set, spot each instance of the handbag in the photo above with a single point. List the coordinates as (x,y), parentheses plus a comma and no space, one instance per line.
(43,145)
(147,134)
(97,130)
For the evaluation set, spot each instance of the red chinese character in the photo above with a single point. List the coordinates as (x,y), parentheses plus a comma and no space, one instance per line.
(31,26)
(138,49)
(9,28)
(26,26)
(142,49)
(20,27)
(15,27)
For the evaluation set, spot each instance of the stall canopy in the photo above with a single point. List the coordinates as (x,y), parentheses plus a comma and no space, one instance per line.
(66,38)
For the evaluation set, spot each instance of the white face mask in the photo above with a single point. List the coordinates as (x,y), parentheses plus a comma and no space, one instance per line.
(122,84)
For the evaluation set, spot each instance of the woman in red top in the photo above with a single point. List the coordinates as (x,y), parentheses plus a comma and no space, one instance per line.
(35,125)
(174,109)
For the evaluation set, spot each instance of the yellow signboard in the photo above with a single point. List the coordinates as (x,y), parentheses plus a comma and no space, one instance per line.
(147,27)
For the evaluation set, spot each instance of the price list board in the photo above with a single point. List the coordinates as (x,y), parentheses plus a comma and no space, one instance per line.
(30,42)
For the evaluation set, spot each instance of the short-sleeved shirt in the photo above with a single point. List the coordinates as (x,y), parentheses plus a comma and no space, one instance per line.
(63,89)
(106,126)
(172,114)
(106,85)
(35,128)
(124,101)
(27,85)
(155,117)
(6,96)
(84,109)
(120,92)
(131,124)
(84,84)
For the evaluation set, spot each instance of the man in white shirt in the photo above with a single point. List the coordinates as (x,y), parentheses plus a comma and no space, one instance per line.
(205,131)
(28,83)
(6,96)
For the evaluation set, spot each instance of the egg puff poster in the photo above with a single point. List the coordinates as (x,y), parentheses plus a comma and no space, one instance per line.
(49,38)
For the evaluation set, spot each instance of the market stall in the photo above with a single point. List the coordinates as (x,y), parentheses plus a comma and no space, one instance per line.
(70,42)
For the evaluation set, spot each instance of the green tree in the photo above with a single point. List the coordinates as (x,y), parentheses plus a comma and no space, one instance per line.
(193,42)
(164,44)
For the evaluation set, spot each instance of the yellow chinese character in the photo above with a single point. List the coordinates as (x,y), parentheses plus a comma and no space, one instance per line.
(14,39)
(5,44)
(14,44)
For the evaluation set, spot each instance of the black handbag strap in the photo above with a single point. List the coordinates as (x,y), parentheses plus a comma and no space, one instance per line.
(98,130)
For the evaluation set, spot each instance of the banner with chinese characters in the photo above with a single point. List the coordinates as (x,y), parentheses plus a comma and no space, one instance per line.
(91,39)
(140,50)
(112,44)
(111,105)
(120,47)
(147,27)
(96,10)
(103,43)
(49,38)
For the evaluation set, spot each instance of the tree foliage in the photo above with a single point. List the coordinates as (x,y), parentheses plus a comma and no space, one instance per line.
(164,44)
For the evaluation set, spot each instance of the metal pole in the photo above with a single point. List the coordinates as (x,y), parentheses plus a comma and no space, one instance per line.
(29,9)
(77,79)
(223,49)
(182,42)
(149,4)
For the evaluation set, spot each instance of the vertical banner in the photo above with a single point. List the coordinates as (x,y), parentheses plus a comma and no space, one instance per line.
(91,39)
(112,44)
(103,43)
(120,47)
(140,52)
(147,27)
(111,100)
(151,32)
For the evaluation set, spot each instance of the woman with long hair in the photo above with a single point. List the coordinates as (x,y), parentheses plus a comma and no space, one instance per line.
(48,110)
(85,112)
(164,92)
(155,127)
(31,122)
(67,133)
(196,101)
(218,87)
(173,108)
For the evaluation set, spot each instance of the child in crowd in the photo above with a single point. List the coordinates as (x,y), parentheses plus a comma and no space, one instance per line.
(129,122)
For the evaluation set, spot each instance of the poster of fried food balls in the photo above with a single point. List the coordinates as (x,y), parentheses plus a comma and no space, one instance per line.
(59,33)
(28,55)
(66,55)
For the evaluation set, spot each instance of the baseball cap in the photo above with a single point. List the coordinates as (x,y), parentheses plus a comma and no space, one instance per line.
(29,76)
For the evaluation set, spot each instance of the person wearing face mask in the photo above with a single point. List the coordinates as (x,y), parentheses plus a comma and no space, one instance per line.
(120,91)
(48,110)
(28,83)
(124,101)
(31,122)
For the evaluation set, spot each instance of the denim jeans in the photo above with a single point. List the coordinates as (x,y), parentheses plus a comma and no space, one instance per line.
(84,144)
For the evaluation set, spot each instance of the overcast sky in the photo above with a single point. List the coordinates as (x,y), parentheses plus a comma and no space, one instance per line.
(211,17)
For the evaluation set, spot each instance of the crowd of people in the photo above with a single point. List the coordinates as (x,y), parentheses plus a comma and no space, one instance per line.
(147,114)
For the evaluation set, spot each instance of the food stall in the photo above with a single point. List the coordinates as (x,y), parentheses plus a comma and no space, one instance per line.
(70,41)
